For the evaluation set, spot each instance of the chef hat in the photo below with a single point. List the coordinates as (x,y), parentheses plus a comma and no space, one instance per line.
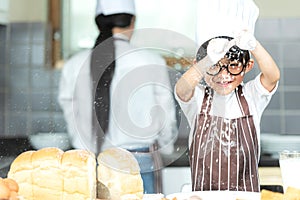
(224,18)
(109,7)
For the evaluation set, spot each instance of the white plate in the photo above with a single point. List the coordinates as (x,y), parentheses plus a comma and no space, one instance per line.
(153,196)
(209,195)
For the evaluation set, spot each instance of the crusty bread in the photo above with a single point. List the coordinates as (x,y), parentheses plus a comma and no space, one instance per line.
(119,171)
(79,171)
(8,189)
(21,171)
(52,174)
(270,195)
(292,193)
(4,190)
(46,173)
(47,177)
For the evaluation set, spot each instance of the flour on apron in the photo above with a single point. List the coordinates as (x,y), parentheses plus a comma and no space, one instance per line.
(224,152)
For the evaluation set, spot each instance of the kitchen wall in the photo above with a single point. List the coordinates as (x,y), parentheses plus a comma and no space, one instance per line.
(281,37)
(278,8)
(28,84)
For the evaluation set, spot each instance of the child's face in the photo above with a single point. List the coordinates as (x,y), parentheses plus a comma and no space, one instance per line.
(230,76)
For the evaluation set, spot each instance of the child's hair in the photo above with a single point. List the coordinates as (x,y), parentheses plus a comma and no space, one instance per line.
(234,53)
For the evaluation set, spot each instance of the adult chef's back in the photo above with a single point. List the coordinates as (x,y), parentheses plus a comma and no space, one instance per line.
(75,99)
(142,106)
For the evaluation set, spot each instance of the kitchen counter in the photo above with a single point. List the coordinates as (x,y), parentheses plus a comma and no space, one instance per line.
(270,176)
(10,148)
(270,179)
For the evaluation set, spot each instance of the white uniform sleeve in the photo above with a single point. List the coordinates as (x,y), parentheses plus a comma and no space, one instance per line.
(192,107)
(260,96)
(65,96)
(66,93)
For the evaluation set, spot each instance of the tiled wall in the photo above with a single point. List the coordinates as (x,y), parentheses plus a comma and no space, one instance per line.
(281,37)
(28,85)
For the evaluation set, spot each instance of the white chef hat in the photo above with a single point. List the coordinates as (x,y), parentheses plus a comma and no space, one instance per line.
(109,7)
(224,18)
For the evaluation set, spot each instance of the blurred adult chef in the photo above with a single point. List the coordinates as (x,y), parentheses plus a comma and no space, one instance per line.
(75,100)
(133,104)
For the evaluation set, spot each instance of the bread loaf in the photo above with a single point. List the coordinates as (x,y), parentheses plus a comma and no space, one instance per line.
(8,189)
(21,171)
(292,193)
(79,172)
(47,177)
(119,171)
(270,195)
(52,174)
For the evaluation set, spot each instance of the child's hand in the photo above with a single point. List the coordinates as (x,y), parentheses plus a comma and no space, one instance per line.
(245,40)
(217,49)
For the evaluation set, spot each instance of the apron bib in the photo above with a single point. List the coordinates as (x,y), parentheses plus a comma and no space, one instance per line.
(224,152)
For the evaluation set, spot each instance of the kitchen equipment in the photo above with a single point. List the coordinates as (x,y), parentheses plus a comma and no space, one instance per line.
(290,164)
(42,140)
(171,182)
(274,143)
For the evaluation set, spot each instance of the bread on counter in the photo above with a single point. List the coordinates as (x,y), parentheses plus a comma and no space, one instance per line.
(270,195)
(79,172)
(51,173)
(47,178)
(290,194)
(21,171)
(8,189)
(119,171)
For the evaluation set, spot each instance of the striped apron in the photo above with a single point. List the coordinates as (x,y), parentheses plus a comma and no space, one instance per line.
(224,152)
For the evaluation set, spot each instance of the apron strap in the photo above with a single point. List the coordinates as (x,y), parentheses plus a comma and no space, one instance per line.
(207,100)
(242,101)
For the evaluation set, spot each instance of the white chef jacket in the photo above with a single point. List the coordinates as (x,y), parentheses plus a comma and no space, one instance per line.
(227,106)
(75,99)
(134,96)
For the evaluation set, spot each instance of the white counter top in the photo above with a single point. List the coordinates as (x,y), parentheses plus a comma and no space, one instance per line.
(270,176)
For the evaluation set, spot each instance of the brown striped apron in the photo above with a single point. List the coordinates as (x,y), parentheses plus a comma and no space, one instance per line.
(224,152)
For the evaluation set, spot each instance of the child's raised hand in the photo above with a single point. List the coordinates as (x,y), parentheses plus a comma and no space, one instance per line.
(217,49)
(245,40)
